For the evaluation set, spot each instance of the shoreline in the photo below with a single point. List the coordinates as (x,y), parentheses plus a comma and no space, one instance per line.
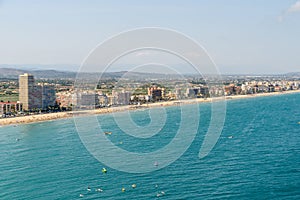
(62,115)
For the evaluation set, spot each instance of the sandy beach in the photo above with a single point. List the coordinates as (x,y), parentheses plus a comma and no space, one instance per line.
(60,115)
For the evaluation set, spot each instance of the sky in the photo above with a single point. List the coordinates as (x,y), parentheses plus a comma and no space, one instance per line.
(240,36)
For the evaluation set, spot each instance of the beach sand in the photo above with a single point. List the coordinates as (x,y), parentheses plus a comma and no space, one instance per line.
(60,115)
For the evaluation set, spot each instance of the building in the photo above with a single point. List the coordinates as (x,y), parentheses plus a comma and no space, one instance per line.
(156,93)
(35,96)
(191,92)
(48,95)
(86,100)
(10,107)
(103,100)
(26,91)
(89,99)
(65,99)
(178,93)
(120,97)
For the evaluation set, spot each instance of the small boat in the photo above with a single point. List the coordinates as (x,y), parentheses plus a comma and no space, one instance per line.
(107,133)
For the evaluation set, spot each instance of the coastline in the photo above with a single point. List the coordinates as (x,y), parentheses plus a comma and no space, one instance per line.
(61,115)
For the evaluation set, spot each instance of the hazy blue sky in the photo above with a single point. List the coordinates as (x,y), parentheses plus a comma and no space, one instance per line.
(241,36)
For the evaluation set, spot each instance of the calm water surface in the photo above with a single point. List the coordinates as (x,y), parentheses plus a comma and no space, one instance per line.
(260,161)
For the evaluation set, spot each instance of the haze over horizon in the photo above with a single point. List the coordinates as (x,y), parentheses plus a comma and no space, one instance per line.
(241,37)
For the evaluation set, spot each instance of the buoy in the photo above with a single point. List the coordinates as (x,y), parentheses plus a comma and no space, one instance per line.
(123,189)
(133,186)
(104,170)
(162,193)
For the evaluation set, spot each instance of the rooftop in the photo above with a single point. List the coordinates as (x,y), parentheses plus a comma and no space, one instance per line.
(10,102)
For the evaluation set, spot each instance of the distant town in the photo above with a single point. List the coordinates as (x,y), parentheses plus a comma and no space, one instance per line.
(27,95)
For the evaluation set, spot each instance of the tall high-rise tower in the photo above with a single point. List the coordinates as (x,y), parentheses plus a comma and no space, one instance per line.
(26,91)
(33,96)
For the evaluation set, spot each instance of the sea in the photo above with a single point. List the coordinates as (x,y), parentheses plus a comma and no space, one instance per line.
(257,156)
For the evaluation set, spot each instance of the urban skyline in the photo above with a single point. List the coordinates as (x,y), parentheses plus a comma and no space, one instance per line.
(60,94)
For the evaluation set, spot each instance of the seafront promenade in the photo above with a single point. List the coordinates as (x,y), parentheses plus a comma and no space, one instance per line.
(60,115)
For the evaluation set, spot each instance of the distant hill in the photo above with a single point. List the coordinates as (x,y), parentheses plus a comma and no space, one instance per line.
(10,73)
(14,73)
(293,74)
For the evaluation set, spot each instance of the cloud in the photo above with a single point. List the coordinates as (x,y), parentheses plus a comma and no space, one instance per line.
(292,9)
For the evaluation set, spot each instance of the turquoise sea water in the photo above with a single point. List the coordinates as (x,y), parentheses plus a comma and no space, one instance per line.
(260,161)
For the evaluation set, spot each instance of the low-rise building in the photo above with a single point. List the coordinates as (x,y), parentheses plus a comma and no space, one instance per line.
(10,107)
(120,97)
(156,93)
